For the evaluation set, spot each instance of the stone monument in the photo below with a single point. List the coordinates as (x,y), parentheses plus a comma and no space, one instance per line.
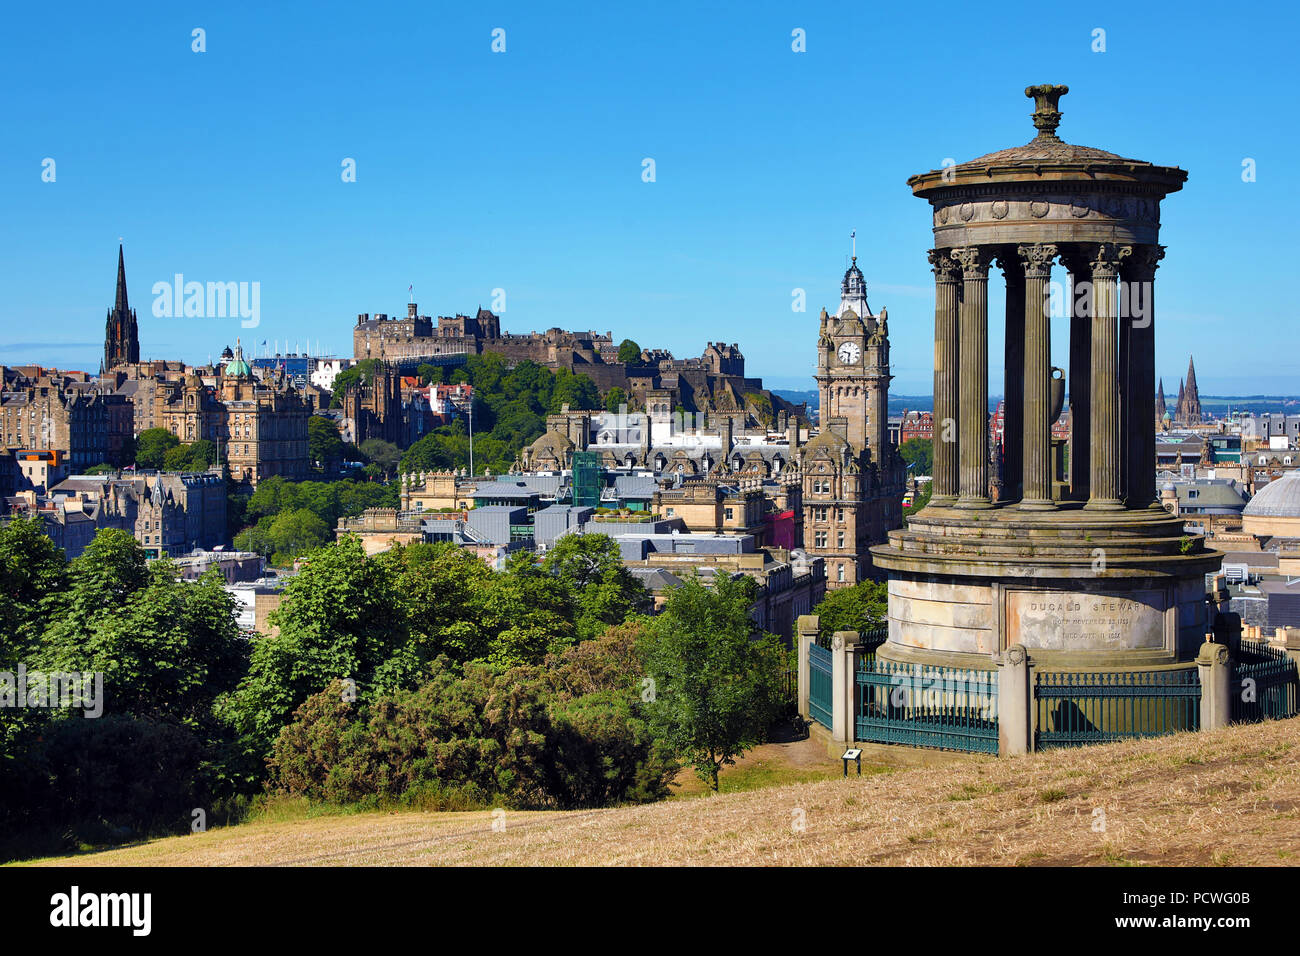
(1085,570)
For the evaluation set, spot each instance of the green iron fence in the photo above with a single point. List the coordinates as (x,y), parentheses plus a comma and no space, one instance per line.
(1265,684)
(1091,708)
(819,684)
(940,707)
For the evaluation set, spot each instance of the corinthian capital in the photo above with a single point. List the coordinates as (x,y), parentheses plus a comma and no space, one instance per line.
(1036,258)
(1106,258)
(1142,264)
(945,270)
(974,261)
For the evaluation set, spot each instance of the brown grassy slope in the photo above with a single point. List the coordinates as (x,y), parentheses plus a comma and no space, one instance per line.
(1231,798)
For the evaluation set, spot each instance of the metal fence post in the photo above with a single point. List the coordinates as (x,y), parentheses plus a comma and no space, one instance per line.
(805,634)
(1014,702)
(1216,686)
(844,688)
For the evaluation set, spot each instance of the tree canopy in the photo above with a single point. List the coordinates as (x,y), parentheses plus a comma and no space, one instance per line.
(716,683)
(629,351)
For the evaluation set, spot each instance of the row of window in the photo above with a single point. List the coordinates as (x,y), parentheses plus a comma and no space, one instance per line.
(821,539)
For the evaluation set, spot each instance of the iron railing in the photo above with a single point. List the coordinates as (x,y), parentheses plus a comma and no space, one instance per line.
(819,684)
(1265,684)
(940,707)
(1074,709)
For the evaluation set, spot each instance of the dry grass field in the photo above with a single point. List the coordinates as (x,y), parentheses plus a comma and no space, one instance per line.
(1229,798)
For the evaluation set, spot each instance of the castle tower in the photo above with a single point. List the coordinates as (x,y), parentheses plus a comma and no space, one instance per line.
(121,335)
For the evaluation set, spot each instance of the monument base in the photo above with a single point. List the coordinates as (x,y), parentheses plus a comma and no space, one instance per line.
(1079,590)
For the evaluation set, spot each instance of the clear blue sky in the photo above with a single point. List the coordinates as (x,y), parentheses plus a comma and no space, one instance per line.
(522,170)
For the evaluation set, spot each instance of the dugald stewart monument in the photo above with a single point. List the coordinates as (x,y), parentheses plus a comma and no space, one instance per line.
(1076,567)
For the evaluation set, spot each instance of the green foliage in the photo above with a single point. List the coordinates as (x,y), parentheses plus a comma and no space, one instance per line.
(324,444)
(577,391)
(481,734)
(592,571)
(382,453)
(859,608)
(924,492)
(165,650)
(510,405)
(615,398)
(152,446)
(919,453)
(31,567)
(196,456)
(103,468)
(365,370)
(717,685)
(429,374)
(629,351)
(328,500)
(285,536)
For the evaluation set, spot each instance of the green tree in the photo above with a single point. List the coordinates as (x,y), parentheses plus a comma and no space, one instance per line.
(429,374)
(919,453)
(577,391)
(363,371)
(382,453)
(196,456)
(629,351)
(324,444)
(859,608)
(103,468)
(152,446)
(615,398)
(31,566)
(341,617)
(716,686)
(601,588)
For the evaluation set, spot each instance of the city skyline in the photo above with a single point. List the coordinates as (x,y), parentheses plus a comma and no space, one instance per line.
(523,171)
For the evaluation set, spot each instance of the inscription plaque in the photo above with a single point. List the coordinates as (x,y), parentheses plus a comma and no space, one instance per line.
(1080,621)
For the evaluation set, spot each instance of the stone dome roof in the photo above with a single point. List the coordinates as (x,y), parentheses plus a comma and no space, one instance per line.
(1050,151)
(552,441)
(1280,498)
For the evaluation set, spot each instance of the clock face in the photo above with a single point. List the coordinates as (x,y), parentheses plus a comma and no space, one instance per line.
(849,353)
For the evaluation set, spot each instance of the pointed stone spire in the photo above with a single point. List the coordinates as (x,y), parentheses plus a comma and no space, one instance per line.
(120,306)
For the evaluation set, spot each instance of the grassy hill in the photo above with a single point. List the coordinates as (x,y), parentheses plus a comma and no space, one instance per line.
(1230,798)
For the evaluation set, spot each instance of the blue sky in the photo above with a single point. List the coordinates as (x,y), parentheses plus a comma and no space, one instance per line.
(522,170)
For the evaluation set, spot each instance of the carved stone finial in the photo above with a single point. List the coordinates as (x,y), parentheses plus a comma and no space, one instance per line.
(1046,116)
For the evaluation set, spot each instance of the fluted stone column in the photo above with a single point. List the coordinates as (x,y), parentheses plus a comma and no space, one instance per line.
(1013,390)
(1104,473)
(973,362)
(946,276)
(1080,375)
(1139,273)
(1037,263)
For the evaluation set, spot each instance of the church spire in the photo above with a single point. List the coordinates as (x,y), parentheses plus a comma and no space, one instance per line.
(121,333)
(120,306)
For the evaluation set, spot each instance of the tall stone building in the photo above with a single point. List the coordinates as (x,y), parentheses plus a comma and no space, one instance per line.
(121,334)
(853,478)
(263,425)
(44,409)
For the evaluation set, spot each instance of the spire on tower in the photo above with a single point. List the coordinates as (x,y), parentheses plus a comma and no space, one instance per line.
(120,306)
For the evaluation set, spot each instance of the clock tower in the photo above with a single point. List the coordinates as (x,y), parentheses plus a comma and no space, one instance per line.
(853,367)
(853,478)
